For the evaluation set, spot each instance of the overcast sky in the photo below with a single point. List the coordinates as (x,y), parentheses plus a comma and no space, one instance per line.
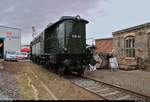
(105,16)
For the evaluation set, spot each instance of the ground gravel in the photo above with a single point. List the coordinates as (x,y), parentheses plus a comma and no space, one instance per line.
(28,81)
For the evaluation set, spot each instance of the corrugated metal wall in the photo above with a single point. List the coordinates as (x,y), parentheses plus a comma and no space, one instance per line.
(11,37)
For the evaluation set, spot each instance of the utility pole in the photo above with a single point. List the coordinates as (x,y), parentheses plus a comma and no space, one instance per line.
(148,41)
(33,31)
(148,44)
(93,40)
(93,48)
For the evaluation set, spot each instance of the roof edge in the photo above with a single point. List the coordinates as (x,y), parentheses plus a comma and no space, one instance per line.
(73,18)
(10,27)
(132,28)
(104,39)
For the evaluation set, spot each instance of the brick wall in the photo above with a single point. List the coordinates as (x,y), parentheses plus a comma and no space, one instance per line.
(104,45)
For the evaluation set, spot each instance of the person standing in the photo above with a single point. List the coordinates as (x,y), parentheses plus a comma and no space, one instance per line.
(113,64)
(92,64)
(108,56)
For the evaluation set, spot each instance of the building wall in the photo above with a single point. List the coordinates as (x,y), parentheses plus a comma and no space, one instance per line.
(118,46)
(141,44)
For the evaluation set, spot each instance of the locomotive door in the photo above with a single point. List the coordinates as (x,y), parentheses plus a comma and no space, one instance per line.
(76,40)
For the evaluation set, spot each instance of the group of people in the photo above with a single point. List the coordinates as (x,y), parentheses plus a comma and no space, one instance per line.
(111,61)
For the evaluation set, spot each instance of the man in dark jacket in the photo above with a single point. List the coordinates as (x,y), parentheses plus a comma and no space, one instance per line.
(108,56)
(92,64)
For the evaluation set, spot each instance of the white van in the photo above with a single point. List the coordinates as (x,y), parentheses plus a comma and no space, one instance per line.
(10,56)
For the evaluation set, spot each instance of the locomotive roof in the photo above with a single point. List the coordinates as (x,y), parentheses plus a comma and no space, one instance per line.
(72,18)
(63,18)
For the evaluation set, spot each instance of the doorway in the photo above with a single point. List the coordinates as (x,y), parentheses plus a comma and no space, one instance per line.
(1,48)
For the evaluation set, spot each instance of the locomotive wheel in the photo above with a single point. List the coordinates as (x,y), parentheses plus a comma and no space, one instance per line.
(61,71)
(38,60)
(46,66)
(32,60)
(53,68)
(35,60)
(86,70)
(80,73)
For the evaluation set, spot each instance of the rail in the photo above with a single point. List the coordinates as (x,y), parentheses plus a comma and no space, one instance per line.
(106,91)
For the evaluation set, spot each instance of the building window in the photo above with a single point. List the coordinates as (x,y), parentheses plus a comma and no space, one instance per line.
(130,46)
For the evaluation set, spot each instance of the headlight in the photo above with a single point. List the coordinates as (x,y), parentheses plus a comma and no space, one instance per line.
(78,17)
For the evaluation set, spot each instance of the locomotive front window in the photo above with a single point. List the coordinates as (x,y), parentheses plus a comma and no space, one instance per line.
(68,28)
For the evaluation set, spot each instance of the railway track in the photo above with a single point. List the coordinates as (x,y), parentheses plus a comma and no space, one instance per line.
(106,91)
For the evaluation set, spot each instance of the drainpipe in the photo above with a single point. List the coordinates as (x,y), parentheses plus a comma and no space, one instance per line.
(148,45)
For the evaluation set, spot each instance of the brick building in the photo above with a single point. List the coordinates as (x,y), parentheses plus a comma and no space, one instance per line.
(131,44)
(104,45)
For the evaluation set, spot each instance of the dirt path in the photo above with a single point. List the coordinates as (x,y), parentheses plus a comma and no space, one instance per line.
(37,83)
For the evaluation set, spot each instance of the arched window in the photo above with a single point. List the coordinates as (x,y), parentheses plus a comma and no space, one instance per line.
(130,46)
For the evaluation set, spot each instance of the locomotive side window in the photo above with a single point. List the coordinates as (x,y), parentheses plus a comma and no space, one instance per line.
(69,28)
(60,35)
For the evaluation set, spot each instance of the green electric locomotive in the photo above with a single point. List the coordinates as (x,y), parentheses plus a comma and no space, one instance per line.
(62,46)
